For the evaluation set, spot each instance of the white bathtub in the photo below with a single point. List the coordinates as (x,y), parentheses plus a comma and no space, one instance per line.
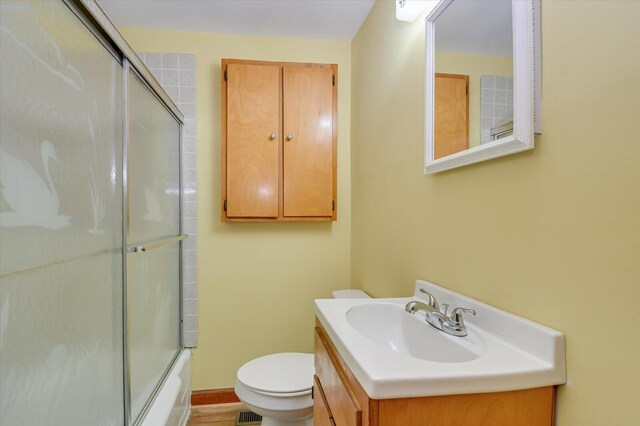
(173,403)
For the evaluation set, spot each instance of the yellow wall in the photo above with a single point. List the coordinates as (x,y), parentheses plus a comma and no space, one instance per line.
(475,66)
(552,234)
(257,281)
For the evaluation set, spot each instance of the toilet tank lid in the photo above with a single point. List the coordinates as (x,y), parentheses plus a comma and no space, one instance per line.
(350,294)
(279,373)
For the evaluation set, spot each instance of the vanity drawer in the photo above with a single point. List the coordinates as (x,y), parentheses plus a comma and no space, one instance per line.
(341,401)
(321,413)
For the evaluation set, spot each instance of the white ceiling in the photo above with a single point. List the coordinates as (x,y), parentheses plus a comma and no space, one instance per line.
(482,27)
(321,19)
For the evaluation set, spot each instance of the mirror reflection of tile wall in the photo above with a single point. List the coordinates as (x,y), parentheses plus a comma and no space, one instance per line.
(176,73)
(497,104)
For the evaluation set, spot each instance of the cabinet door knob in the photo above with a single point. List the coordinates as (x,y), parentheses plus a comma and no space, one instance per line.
(289,137)
(273,136)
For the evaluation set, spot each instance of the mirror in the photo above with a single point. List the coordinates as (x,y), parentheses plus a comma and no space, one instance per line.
(480,81)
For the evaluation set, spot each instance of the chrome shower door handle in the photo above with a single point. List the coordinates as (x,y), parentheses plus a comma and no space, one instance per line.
(156,244)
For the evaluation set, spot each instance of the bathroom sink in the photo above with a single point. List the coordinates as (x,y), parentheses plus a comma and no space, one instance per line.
(394,354)
(392,328)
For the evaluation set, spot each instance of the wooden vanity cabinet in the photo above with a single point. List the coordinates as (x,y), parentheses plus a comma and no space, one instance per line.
(339,400)
(279,137)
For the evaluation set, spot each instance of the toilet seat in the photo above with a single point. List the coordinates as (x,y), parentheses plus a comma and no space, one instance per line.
(279,375)
(279,394)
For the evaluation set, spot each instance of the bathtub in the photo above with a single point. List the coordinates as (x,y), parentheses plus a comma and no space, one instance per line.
(173,402)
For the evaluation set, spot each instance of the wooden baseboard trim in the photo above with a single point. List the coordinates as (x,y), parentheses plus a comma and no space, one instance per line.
(214,396)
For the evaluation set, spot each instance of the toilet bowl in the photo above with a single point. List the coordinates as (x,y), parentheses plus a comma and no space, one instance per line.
(278,386)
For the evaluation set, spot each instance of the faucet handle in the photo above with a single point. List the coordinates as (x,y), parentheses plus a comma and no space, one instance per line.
(433,302)
(456,314)
(455,323)
(446,308)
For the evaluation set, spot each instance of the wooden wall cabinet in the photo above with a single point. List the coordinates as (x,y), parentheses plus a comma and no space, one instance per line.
(339,400)
(279,140)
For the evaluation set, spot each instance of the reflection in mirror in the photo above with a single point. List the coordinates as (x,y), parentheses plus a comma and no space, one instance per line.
(473,75)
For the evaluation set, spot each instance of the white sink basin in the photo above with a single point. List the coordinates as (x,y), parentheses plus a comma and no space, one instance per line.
(392,328)
(394,354)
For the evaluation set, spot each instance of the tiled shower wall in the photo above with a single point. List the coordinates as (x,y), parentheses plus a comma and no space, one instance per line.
(177,75)
(497,104)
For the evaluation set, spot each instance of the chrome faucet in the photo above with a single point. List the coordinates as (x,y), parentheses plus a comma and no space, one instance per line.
(453,325)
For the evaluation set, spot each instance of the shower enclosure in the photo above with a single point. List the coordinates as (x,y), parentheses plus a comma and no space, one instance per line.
(90,209)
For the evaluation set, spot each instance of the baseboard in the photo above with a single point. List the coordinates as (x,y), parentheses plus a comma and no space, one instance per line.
(213,396)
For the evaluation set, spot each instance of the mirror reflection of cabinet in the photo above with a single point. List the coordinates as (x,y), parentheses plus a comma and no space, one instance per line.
(496,45)
(279,134)
(451,121)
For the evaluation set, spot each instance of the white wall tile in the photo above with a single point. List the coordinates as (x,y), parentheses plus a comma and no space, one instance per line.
(172,91)
(189,226)
(170,77)
(189,145)
(487,95)
(188,95)
(500,112)
(189,110)
(189,127)
(190,291)
(187,78)
(190,339)
(190,322)
(189,175)
(189,192)
(189,305)
(190,274)
(190,257)
(501,97)
(170,60)
(189,158)
(496,103)
(187,62)
(189,209)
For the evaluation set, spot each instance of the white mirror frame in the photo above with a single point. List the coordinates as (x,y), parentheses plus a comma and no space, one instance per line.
(527,90)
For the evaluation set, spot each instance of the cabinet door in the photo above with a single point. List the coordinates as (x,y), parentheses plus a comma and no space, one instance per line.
(451,116)
(308,141)
(341,402)
(321,413)
(253,118)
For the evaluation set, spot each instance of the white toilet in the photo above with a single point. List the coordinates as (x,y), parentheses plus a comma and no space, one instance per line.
(278,386)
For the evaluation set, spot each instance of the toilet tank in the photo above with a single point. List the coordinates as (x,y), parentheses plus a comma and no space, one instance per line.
(350,294)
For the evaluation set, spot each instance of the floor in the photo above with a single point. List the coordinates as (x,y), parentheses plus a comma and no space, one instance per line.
(215,415)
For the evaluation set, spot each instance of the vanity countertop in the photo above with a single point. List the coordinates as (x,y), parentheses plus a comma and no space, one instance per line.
(399,355)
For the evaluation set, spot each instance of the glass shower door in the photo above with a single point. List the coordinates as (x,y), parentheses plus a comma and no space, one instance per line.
(153,229)
(75,349)
(61,276)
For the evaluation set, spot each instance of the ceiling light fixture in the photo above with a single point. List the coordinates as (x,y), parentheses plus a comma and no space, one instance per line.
(409,10)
